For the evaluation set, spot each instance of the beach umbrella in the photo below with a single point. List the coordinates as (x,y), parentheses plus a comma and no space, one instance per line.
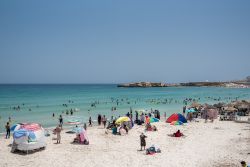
(154,120)
(176,123)
(190,110)
(219,105)
(230,109)
(176,117)
(78,130)
(122,119)
(243,106)
(210,107)
(195,105)
(212,113)
(151,120)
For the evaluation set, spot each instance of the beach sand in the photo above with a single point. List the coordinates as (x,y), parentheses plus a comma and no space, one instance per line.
(219,144)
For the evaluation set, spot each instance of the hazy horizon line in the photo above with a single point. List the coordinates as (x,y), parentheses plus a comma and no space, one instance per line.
(104,83)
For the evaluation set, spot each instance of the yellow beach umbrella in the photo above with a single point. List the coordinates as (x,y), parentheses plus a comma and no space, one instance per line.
(122,119)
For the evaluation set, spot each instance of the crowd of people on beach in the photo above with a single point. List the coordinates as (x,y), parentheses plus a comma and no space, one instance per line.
(136,117)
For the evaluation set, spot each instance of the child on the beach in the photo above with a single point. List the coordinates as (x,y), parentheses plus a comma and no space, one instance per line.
(143,140)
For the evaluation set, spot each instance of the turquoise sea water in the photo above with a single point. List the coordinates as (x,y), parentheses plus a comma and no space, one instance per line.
(38,102)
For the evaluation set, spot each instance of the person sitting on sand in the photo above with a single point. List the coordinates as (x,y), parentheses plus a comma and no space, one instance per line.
(114,130)
(154,128)
(148,127)
(178,134)
(143,141)
(77,139)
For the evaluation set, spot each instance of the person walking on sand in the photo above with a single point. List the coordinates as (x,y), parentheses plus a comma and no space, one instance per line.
(58,134)
(143,141)
(184,110)
(99,118)
(7,127)
(104,121)
(90,121)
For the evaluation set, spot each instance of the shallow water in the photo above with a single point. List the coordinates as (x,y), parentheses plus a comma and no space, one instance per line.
(38,102)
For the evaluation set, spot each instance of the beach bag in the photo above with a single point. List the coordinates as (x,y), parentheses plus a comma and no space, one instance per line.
(150,151)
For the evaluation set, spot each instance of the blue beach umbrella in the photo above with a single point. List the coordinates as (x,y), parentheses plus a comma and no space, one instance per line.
(190,110)
(78,129)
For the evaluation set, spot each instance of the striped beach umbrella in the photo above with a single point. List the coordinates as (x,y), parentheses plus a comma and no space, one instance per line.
(176,123)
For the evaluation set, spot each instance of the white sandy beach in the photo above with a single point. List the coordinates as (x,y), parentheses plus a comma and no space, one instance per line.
(206,144)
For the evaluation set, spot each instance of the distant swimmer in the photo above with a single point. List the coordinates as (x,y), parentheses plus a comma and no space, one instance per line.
(53,115)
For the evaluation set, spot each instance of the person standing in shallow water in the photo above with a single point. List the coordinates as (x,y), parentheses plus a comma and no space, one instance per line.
(61,120)
(7,127)
(143,141)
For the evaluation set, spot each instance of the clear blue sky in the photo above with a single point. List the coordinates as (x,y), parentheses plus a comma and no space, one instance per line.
(121,41)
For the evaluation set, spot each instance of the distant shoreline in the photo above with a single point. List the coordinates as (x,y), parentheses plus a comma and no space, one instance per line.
(235,84)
